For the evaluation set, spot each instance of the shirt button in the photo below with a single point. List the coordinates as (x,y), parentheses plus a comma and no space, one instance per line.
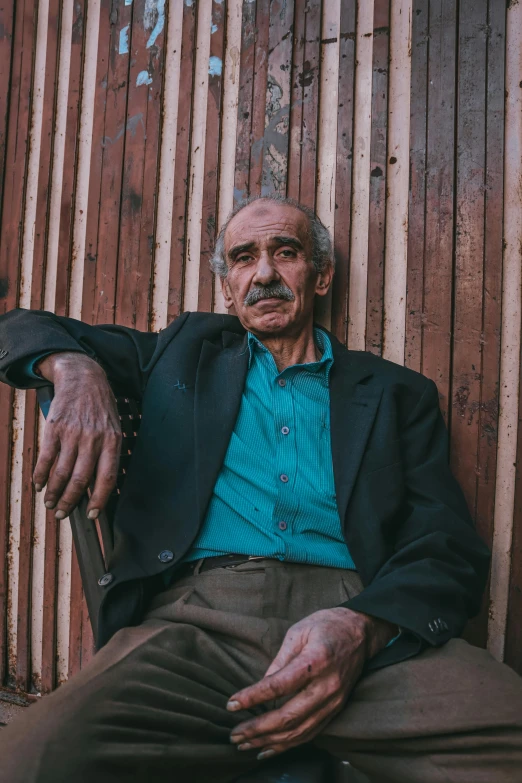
(166,556)
(282,526)
(282,382)
(285,430)
(284,478)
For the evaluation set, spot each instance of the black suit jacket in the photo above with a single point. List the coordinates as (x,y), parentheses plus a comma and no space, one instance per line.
(403,514)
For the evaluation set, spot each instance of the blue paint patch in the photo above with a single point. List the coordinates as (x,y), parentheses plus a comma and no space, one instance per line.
(213,29)
(160,23)
(189,3)
(215,66)
(128,2)
(124,40)
(143,78)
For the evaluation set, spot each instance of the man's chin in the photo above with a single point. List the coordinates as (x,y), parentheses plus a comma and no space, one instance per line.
(269,322)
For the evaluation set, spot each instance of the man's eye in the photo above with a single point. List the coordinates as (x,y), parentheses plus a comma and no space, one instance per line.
(243,259)
(287,253)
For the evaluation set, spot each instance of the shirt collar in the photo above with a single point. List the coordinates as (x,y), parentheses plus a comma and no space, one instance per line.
(321,366)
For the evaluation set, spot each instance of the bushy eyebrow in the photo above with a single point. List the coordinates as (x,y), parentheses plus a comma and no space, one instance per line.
(235,251)
(279,240)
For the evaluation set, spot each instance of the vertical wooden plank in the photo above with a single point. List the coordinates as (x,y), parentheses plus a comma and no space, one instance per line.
(304,104)
(344,163)
(109,132)
(6,395)
(49,641)
(70,160)
(488,409)
(417,192)
(209,210)
(361,177)
(259,105)
(505,637)
(140,166)
(436,316)
(277,112)
(469,247)
(183,135)
(378,148)
(245,107)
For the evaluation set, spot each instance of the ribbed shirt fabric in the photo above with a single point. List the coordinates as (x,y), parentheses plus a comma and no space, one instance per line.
(275,494)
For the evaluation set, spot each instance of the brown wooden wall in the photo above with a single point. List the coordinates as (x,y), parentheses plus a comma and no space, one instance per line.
(128,128)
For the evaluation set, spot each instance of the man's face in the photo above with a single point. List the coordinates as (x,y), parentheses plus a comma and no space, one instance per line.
(271,280)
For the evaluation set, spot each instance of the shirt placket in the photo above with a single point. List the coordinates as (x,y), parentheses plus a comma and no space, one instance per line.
(287,503)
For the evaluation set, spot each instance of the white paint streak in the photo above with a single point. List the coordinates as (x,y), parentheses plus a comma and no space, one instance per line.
(167,168)
(229,126)
(397,181)
(327,143)
(60,130)
(123,47)
(361,179)
(143,78)
(192,253)
(215,66)
(510,340)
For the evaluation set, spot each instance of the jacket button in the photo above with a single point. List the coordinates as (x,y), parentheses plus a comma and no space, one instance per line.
(166,556)
(105,580)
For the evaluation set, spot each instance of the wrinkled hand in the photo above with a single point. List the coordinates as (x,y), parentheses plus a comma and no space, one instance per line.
(82,435)
(319,662)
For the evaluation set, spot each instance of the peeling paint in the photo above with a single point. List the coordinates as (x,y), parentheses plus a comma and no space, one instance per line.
(143,78)
(124,40)
(213,28)
(215,66)
(128,2)
(154,18)
(131,125)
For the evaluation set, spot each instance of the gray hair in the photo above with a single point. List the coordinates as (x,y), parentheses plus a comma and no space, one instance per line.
(322,248)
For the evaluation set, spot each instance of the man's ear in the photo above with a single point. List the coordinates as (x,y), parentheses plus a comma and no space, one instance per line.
(225,288)
(324,280)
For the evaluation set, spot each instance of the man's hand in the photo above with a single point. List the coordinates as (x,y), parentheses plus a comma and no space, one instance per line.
(319,662)
(82,435)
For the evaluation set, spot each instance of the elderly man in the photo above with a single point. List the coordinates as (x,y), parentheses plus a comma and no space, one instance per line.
(293,558)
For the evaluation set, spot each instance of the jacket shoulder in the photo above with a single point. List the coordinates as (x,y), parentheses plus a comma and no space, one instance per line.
(390,372)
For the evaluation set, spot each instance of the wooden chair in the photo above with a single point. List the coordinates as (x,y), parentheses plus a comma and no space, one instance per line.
(93,542)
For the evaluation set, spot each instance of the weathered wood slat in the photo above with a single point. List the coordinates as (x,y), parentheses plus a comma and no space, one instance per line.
(344,164)
(259,97)
(209,214)
(378,164)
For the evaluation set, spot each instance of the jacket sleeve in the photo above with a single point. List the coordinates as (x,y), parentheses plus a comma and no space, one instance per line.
(434,580)
(126,355)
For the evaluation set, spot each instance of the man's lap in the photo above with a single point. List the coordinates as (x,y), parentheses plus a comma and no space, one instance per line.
(154,699)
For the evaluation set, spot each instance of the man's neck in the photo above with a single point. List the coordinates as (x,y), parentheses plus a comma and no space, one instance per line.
(290,350)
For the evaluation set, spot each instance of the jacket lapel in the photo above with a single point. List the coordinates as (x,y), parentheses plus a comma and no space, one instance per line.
(353,406)
(220,380)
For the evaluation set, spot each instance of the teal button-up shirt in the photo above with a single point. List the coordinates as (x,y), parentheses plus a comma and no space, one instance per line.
(275,494)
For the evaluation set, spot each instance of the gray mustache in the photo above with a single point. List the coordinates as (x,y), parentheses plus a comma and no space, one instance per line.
(272,291)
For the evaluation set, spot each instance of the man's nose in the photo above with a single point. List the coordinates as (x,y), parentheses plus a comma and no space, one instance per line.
(265,270)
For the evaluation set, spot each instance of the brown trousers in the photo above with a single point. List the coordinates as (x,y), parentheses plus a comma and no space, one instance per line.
(151,705)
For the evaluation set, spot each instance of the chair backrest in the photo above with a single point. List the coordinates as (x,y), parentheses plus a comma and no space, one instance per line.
(93,539)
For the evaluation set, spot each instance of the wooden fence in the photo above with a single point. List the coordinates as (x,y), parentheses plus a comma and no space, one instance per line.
(127,130)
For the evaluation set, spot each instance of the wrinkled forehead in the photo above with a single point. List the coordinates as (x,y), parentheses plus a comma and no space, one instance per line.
(261,220)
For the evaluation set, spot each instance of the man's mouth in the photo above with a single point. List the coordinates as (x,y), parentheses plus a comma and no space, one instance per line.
(269,293)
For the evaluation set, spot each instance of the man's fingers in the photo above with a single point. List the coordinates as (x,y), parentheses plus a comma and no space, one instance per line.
(61,474)
(291,715)
(285,682)
(77,485)
(46,459)
(291,647)
(106,473)
(280,743)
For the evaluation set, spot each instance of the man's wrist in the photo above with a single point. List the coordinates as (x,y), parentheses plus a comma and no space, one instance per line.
(378,633)
(57,366)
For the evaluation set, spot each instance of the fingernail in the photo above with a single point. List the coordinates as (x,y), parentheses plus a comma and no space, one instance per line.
(60,514)
(233,705)
(38,487)
(245,746)
(237,738)
(94,513)
(49,504)
(265,754)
